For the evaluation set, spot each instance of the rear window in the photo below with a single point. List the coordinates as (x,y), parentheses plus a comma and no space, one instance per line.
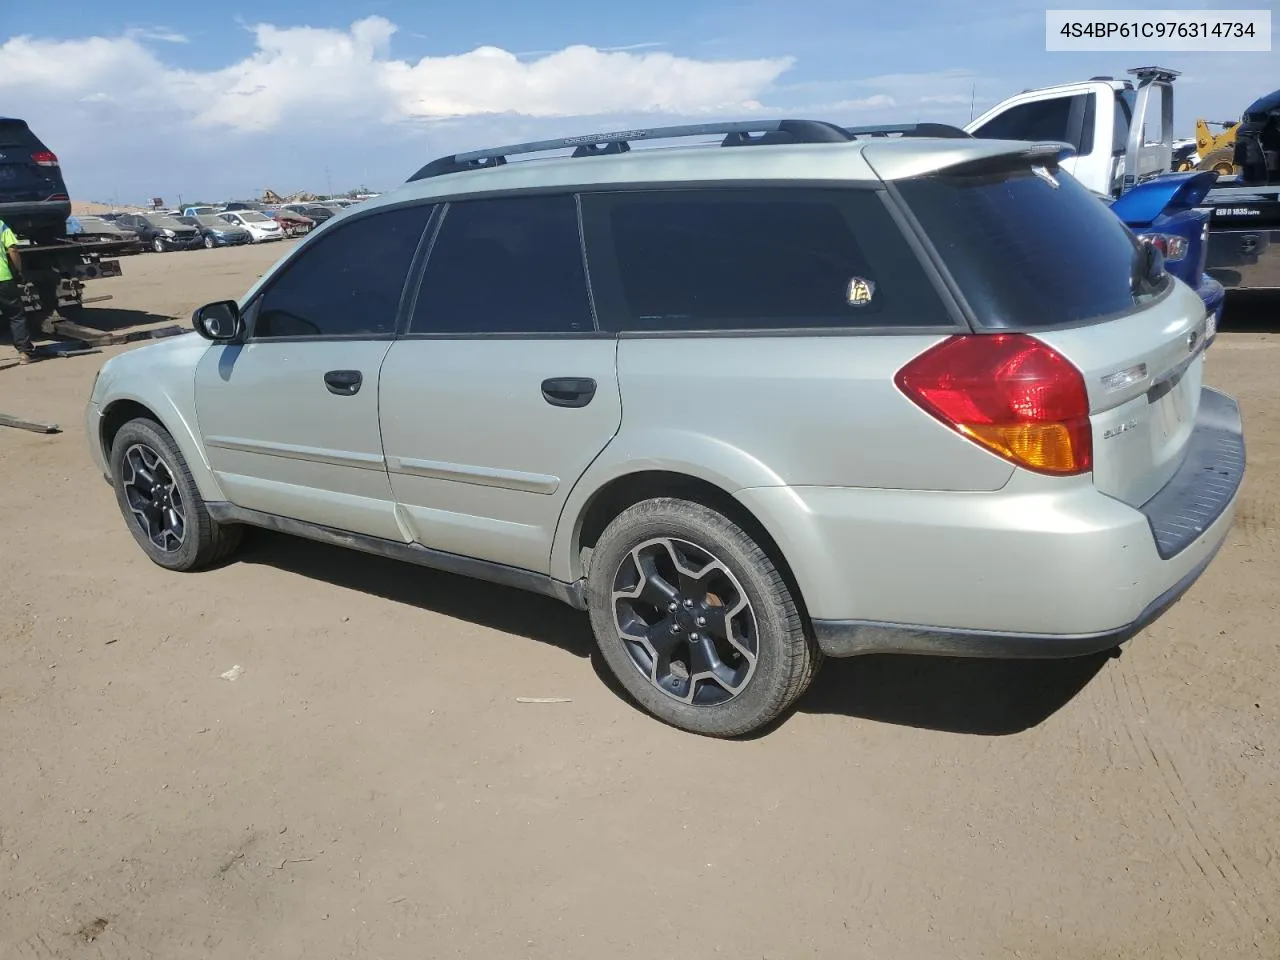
(1031,249)
(15,133)
(761,259)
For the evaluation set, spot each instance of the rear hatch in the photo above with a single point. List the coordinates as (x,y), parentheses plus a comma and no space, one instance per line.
(1028,249)
(29,171)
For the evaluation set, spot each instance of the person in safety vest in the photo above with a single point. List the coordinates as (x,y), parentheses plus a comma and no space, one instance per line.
(11,308)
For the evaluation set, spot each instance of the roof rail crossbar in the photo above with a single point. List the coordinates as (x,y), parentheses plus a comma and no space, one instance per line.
(738,133)
(909,130)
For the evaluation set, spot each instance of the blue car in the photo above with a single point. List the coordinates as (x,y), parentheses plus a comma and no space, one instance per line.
(1164,213)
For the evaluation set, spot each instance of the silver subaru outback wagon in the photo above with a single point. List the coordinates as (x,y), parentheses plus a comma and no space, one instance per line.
(797,392)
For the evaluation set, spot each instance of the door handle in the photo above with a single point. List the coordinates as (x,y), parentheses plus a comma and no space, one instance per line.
(568,391)
(345,383)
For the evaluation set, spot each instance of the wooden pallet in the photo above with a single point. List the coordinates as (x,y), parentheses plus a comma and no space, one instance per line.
(70,330)
(21,423)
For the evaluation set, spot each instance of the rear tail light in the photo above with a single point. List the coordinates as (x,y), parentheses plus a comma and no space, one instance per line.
(1010,394)
(43,158)
(1172,246)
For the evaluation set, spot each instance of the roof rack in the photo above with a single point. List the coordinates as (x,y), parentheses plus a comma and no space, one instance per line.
(909,130)
(737,134)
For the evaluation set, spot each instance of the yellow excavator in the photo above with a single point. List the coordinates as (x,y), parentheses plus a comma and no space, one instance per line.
(1216,152)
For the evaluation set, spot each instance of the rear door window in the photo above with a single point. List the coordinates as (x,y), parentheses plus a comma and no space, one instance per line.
(1031,249)
(690,260)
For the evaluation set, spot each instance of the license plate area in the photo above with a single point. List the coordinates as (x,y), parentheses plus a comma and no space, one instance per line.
(1171,404)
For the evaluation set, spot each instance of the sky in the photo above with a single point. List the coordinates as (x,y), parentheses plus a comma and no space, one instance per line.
(216,101)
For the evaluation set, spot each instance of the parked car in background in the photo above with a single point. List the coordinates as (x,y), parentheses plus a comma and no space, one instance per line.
(945,439)
(159,231)
(200,211)
(315,212)
(217,232)
(33,197)
(245,205)
(261,227)
(1166,213)
(86,225)
(293,223)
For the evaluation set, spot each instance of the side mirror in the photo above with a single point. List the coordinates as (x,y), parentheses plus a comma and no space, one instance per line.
(220,321)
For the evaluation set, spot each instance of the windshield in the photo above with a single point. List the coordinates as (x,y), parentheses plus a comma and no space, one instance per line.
(210,220)
(166,223)
(1031,247)
(253,216)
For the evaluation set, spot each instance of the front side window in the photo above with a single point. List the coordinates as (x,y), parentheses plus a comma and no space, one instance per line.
(347,282)
(753,259)
(506,265)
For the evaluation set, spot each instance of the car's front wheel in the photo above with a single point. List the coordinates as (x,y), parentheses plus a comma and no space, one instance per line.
(160,502)
(696,621)
(208,242)
(157,245)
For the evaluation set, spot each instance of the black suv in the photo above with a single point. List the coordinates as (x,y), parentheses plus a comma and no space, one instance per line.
(33,196)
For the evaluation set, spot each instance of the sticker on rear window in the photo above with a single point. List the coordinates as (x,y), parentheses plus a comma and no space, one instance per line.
(860,292)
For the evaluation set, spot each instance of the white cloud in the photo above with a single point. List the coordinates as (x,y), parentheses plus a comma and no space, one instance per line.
(161,34)
(304,73)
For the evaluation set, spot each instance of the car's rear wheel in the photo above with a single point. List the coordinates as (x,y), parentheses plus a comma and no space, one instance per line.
(696,621)
(160,502)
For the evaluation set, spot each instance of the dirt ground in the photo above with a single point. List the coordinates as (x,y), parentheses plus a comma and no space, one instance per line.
(370,786)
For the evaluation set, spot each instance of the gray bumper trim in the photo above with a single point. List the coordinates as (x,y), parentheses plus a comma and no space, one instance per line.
(1207,481)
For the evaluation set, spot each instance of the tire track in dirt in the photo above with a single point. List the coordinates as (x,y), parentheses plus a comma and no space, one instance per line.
(1257,523)
(1193,828)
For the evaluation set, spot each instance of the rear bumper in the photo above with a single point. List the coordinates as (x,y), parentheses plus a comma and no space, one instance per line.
(1031,571)
(36,211)
(1214,296)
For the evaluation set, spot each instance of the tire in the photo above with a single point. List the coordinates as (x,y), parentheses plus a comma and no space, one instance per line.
(208,243)
(1221,161)
(157,245)
(204,541)
(755,677)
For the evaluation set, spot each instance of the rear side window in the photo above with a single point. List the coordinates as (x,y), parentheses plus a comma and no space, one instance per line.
(347,281)
(506,265)
(758,259)
(1030,249)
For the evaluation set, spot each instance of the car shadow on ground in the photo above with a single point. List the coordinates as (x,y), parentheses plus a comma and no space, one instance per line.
(1251,312)
(989,698)
(954,694)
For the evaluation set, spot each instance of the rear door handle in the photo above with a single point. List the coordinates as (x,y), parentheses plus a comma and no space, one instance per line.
(568,391)
(345,383)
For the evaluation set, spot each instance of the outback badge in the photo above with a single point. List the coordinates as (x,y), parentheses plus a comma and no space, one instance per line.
(860,292)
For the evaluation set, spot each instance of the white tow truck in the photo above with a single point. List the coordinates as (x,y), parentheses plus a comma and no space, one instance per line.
(1122,134)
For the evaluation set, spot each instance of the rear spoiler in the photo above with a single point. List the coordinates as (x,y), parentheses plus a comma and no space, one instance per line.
(1036,154)
(970,156)
(1169,194)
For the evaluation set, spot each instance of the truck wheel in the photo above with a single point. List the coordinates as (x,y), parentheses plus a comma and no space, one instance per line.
(695,620)
(160,503)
